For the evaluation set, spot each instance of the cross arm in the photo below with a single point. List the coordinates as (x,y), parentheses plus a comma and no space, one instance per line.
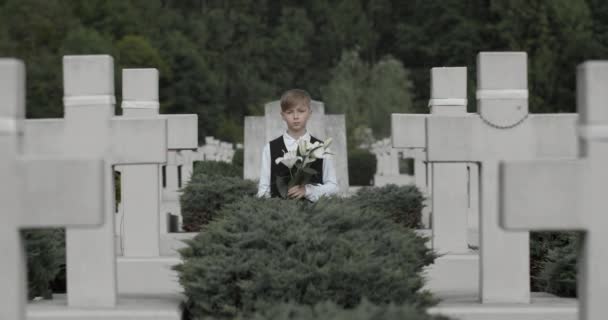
(43,136)
(61,192)
(138,141)
(182,130)
(555,135)
(451,138)
(408,130)
(540,195)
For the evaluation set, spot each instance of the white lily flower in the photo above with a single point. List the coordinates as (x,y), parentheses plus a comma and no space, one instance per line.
(302,146)
(328,142)
(289,158)
(309,159)
(319,153)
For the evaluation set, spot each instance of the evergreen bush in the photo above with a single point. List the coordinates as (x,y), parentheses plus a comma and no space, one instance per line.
(555,261)
(205,195)
(239,158)
(45,253)
(217,168)
(403,204)
(274,250)
(330,311)
(361,167)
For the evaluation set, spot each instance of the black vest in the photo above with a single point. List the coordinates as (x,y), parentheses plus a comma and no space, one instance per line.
(277,149)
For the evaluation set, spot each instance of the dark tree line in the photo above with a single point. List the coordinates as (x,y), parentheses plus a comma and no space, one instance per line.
(222,59)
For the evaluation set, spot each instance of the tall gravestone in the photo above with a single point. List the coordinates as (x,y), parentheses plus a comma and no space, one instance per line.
(259,130)
(141,184)
(570,194)
(503,130)
(89,129)
(29,193)
(141,269)
(449,180)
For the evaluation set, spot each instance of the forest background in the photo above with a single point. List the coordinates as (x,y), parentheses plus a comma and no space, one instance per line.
(223,59)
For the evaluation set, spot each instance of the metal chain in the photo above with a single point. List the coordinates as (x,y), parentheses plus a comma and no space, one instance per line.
(504,127)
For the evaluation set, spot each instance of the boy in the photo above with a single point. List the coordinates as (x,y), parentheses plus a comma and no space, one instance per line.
(295,111)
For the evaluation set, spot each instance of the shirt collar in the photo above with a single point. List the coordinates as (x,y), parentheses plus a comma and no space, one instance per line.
(289,139)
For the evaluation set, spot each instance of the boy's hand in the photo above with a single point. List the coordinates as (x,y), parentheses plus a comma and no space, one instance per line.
(296,192)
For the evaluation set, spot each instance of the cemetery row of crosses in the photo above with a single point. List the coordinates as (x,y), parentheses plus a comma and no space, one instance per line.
(489,178)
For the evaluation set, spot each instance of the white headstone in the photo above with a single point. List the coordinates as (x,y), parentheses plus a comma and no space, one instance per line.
(503,130)
(90,129)
(260,130)
(570,194)
(36,192)
(254,140)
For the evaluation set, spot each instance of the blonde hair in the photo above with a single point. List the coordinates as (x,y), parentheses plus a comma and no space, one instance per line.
(294,97)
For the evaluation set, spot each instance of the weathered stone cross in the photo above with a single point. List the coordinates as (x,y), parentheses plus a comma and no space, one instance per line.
(503,130)
(449,180)
(91,129)
(570,194)
(140,184)
(36,192)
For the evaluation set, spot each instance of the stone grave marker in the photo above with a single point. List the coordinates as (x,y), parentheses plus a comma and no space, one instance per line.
(570,194)
(30,195)
(89,129)
(259,130)
(141,184)
(503,130)
(449,180)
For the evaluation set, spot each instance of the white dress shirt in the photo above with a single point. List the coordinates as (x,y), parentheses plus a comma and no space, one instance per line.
(313,191)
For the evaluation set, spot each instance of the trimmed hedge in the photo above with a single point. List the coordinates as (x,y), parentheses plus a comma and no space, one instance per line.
(273,250)
(217,168)
(403,204)
(361,167)
(553,262)
(205,195)
(45,251)
(238,159)
(331,311)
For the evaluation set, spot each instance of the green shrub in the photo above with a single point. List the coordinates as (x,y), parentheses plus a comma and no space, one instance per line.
(45,251)
(542,244)
(217,168)
(553,262)
(401,203)
(238,158)
(273,250)
(361,167)
(205,195)
(331,311)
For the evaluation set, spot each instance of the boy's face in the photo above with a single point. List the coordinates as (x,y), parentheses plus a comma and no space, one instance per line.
(296,117)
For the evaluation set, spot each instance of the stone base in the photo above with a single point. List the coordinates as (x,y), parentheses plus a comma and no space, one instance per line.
(128,308)
(454,274)
(148,276)
(543,307)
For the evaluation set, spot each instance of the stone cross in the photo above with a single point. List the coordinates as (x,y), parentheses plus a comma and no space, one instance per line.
(387,160)
(570,194)
(261,129)
(503,130)
(387,165)
(449,180)
(90,129)
(36,192)
(140,184)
